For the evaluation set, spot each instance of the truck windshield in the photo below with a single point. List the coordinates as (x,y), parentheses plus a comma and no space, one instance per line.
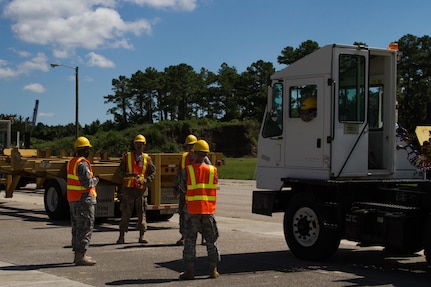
(351,93)
(273,124)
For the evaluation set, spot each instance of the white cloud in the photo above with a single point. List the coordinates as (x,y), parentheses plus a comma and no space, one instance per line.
(46,115)
(184,5)
(61,54)
(67,25)
(35,88)
(99,61)
(7,73)
(23,54)
(38,63)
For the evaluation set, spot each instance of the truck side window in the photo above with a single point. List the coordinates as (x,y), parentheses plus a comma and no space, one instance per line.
(303,102)
(273,124)
(351,93)
(375,107)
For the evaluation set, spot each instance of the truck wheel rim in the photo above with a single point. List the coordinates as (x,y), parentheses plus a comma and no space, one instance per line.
(51,199)
(305,226)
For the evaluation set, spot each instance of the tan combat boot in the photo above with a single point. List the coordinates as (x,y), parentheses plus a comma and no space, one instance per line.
(120,239)
(189,273)
(76,257)
(213,270)
(83,260)
(141,237)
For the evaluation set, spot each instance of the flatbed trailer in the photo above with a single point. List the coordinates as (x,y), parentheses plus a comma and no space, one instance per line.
(49,173)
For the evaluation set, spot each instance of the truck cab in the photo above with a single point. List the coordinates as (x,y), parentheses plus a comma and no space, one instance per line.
(350,132)
(332,157)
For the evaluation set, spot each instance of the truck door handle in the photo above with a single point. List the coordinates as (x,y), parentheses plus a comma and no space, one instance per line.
(319,143)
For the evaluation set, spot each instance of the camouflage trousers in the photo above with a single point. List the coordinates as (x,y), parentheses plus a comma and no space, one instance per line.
(82,221)
(205,223)
(133,198)
(182,209)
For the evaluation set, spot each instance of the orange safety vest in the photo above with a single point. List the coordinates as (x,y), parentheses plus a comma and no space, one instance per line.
(185,160)
(132,167)
(201,190)
(74,187)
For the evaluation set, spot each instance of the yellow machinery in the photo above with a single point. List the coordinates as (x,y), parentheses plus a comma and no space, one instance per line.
(49,172)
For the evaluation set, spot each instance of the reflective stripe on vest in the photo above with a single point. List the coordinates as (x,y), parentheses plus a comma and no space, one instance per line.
(132,167)
(185,160)
(201,191)
(74,187)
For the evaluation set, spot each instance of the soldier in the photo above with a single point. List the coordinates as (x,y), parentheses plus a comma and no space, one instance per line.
(309,109)
(137,170)
(200,181)
(186,159)
(81,194)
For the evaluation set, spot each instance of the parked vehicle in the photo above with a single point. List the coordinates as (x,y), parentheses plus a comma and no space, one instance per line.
(332,157)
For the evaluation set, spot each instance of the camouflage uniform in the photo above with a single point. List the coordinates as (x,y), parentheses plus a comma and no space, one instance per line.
(135,197)
(82,211)
(182,208)
(205,223)
(194,223)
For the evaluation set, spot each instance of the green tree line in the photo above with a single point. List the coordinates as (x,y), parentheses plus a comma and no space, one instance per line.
(179,100)
(180,93)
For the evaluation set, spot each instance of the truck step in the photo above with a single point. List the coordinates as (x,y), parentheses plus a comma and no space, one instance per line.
(384,207)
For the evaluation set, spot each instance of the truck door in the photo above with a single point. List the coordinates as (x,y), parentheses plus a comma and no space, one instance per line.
(349,148)
(305,123)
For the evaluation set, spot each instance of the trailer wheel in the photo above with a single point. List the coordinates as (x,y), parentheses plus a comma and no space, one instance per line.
(56,205)
(304,232)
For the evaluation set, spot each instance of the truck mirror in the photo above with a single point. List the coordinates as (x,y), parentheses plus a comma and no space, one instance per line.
(273,114)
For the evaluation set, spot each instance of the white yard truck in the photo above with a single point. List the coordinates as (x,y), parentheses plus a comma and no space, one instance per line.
(332,157)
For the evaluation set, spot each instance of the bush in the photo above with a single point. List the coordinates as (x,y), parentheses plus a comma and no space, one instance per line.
(235,139)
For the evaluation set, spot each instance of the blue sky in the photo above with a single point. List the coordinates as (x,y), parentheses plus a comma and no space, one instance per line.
(109,38)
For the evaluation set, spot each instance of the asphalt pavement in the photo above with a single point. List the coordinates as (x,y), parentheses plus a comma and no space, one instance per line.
(10,275)
(13,275)
(27,275)
(36,251)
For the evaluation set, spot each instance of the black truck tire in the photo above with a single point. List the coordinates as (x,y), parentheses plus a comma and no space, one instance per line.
(304,232)
(55,199)
(427,240)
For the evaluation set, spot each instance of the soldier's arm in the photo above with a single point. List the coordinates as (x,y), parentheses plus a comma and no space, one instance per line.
(207,160)
(122,167)
(177,178)
(86,178)
(183,181)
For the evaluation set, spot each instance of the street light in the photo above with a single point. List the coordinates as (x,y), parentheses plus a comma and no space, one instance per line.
(76,95)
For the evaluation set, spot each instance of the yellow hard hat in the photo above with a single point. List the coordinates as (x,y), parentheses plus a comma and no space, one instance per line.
(191,139)
(140,139)
(82,142)
(201,146)
(309,103)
